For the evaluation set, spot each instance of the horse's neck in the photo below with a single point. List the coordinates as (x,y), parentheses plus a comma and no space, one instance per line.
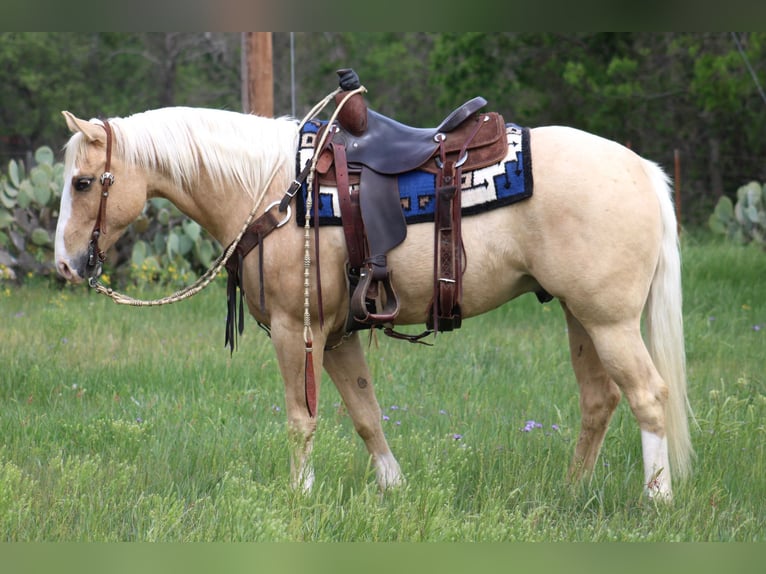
(222,204)
(221,209)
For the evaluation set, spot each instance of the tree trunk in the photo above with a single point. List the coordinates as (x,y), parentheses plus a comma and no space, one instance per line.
(259,77)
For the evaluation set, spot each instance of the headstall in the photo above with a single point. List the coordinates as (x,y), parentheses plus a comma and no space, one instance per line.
(95,255)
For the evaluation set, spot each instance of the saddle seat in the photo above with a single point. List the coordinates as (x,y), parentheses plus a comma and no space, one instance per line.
(390,147)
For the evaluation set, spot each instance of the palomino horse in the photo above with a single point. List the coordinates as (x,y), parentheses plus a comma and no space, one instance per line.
(599,234)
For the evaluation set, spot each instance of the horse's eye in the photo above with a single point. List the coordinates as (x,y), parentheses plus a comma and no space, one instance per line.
(82,183)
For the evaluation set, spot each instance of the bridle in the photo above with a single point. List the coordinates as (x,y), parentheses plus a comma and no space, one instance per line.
(95,255)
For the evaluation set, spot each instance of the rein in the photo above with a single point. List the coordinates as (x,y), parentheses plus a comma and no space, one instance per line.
(205,279)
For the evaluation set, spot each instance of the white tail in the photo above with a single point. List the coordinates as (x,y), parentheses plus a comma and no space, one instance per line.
(665,329)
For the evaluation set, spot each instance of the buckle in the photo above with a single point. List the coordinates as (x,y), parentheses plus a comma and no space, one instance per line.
(286,217)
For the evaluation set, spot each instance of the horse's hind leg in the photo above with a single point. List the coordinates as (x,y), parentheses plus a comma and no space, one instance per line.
(348,369)
(599,396)
(626,359)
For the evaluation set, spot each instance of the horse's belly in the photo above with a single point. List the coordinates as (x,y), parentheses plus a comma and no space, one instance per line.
(494,272)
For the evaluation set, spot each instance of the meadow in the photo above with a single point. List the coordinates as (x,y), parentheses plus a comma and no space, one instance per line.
(126,424)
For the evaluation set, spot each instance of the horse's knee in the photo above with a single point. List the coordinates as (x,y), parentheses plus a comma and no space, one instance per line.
(367,424)
(301,428)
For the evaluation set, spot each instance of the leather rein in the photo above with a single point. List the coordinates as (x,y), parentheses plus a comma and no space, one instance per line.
(96,255)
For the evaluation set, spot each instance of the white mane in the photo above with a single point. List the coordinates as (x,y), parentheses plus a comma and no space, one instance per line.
(231,147)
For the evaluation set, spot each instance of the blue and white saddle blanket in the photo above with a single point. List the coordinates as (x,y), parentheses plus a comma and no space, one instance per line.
(503,183)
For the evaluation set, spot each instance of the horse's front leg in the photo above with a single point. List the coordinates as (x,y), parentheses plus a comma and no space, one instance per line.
(348,369)
(287,337)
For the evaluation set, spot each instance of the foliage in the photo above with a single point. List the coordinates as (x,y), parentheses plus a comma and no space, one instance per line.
(102,74)
(394,67)
(744,221)
(168,247)
(655,92)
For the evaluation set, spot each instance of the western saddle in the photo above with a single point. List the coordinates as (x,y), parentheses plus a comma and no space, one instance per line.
(362,159)
(371,150)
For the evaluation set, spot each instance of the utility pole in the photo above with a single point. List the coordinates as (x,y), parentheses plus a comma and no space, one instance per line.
(257,74)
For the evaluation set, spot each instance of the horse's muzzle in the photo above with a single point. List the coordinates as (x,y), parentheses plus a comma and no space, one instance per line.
(78,269)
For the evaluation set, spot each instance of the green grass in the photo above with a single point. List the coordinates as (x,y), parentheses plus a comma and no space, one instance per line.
(122,424)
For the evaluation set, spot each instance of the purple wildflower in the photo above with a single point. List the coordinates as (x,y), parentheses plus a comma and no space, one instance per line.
(457,436)
(531,425)
(442,412)
(394,408)
(756,327)
(386,418)
(555,427)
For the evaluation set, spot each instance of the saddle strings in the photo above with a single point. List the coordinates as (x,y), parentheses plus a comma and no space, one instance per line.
(207,278)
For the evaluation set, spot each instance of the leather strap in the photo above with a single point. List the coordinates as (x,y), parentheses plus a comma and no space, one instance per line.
(350,211)
(99,228)
(447,269)
(253,237)
(445,312)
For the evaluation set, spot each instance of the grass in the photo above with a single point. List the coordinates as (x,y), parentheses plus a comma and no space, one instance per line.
(123,424)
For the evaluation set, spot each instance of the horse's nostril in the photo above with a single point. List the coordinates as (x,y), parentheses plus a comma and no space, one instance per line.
(64,270)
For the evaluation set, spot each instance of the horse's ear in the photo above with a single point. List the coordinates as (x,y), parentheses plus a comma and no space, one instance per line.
(91,131)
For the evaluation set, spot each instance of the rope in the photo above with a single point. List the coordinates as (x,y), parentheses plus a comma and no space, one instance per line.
(207,278)
(307,334)
(202,282)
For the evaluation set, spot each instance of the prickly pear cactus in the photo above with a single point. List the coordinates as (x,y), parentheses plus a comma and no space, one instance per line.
(169,247)
(744,221)
(28,213)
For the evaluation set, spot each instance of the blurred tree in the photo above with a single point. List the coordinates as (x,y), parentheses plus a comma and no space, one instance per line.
(106,74)
(653,92)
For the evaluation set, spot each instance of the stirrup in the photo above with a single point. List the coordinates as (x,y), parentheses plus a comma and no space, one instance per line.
(359,299)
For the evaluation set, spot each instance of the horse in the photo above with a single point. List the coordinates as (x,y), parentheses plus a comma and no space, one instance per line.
(599,234)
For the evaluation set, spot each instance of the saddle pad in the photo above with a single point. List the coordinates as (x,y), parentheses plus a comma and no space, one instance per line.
(503,183)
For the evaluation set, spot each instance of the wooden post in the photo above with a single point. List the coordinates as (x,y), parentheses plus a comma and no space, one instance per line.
(677,181)
(258,72)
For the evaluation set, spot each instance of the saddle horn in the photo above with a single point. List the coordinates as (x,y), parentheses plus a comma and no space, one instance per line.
(353,116)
